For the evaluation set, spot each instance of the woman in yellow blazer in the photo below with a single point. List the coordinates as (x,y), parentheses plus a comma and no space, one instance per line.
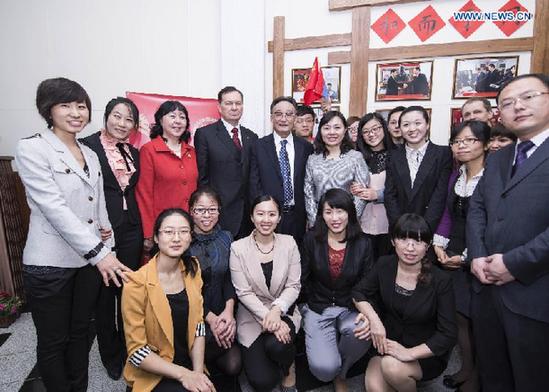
(163,315)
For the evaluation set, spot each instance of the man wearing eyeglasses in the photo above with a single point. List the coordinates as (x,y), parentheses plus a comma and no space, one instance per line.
(508,243)
(278,167)
(222,156)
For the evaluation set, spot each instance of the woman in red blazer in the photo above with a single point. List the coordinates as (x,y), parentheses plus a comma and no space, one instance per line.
(168,167)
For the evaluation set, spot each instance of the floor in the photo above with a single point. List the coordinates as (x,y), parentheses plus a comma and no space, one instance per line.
(18,359)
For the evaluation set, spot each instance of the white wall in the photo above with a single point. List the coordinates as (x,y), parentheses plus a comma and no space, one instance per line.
(110,47)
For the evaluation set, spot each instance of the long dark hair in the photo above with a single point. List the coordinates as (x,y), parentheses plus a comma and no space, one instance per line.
(415,227)
(190,262)
(165,108)
(337,198)
(346,143)
(362,146)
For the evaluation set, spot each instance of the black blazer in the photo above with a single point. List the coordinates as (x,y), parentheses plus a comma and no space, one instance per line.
(428,196)
(114,197)
(266,178)
(319,290)
(430,316)
(392,86)
(509,215)
(225,169)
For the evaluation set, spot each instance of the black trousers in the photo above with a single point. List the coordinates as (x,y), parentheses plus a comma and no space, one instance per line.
(512,350)
(267,360)
(288,225)
(108,316)
(62,301)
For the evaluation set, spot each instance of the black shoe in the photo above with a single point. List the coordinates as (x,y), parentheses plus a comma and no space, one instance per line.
(449,382)
(114,370)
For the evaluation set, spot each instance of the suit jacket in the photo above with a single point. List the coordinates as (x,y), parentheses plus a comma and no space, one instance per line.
(430,315)
(227,170)
(392,86)
(148,319)
(165,180)
(266,178)
(320,290)
(509,215)
(67,206)
(114,196)
(428,195)
(252,291)
(419,85)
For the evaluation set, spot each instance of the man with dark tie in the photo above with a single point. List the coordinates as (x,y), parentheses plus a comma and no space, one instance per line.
(278,167)
(392,85)
(508,243)
(223,160)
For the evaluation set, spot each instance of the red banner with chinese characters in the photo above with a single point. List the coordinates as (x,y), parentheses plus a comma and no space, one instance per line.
(202,111)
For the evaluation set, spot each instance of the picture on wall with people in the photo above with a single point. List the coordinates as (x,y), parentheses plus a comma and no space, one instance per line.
(404,81)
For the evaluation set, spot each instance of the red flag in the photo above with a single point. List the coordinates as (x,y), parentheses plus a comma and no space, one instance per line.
(315,85)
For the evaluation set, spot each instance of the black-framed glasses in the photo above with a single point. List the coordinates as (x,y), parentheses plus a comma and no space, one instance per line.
(203,211)
(468,141)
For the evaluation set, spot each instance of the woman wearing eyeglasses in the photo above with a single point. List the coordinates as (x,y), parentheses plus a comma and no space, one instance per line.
(410,309)
(469,142)
(162,309)
(212,246)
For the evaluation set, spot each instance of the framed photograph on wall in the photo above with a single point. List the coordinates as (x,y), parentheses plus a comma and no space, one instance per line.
(404,81)
(332,79)
(482,76)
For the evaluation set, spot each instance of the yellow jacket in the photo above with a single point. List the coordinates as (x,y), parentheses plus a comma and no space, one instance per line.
(148,319)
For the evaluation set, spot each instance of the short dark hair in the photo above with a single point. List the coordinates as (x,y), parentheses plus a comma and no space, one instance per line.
(165,108)
(190,262)
(413,226)
(543,78)
(485,102)
(352,119)
(204,190)
(337,198)
(393,70)
(397,109)
(480,129)
(363,147)
(51,92)
(226,90)
(346,143)
(261,199)
(416,108)
(500,130)
(302,110)
(277,100)
(125,101)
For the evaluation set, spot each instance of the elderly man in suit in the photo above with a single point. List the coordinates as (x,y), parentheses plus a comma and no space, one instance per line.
(223,160)
(508,243)
(278,167)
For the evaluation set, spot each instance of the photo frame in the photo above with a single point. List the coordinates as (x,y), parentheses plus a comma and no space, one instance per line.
(482,76)
(332,78)
(404,81)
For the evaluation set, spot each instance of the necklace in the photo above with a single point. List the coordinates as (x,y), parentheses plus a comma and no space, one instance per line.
(259,249)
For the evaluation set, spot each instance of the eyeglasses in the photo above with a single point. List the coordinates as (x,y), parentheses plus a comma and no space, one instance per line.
(202,211)
(170,233)
(468,141)
(526,98)
(372,131)
(279,115)
(410,241)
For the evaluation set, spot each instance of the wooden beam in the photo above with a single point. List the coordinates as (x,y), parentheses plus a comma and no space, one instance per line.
(341,5)
(321,41)
(539,62)
(278,56)
(438,50)
(360,38)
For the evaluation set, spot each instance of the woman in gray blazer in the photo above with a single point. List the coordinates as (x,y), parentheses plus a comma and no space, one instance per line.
(266,271)
(69,234)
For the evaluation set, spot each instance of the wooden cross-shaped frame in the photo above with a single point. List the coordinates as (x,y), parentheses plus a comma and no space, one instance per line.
(360,53)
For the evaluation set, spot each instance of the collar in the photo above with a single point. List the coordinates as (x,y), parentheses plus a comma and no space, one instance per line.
(539,138)
(278,139)
(109,141)
(463,172)
(199,237)
(160,145)
(420,151)
(230,127)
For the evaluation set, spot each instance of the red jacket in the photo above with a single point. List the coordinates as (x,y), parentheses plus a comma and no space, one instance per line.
(165,180)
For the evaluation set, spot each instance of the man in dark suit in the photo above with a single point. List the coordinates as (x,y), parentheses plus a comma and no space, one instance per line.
(419,84)
(508,243)
(278,167)
(223,159)
(392,85)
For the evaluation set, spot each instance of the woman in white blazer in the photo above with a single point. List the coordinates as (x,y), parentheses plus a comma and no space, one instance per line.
(69,243)
(266,272)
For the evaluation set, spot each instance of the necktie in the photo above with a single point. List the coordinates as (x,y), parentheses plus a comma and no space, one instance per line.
(236,140)
(522,149)
(125,155)
(285,170)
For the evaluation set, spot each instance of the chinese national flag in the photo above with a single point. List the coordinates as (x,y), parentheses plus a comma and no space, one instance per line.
(315,85)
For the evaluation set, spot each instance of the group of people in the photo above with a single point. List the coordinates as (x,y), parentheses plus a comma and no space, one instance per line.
(369,237)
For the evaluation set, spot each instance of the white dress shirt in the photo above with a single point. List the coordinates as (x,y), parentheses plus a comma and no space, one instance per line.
(229,129)
(414,158)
